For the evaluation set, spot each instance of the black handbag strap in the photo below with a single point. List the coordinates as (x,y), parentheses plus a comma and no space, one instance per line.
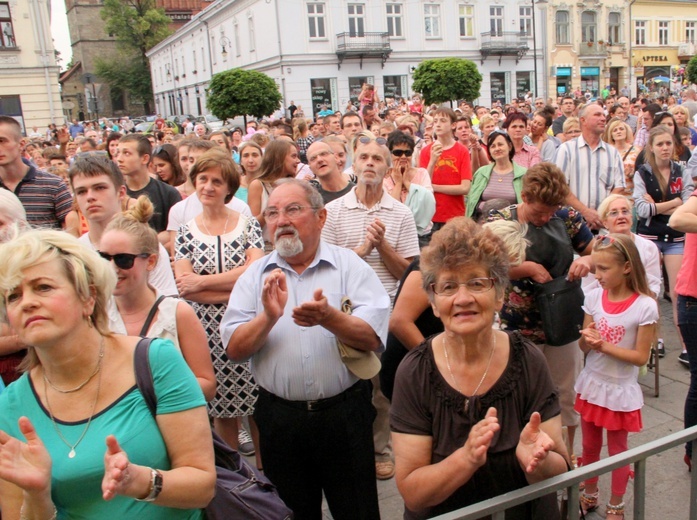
(151,315)
(144,381)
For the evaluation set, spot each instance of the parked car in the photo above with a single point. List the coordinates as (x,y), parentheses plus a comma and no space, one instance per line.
(212,123)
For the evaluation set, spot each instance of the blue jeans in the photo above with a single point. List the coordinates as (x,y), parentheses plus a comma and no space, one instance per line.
(687,322)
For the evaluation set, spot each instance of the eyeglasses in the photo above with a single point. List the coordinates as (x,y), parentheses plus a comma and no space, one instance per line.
(122,260)
(365,140)
(450,287)
(609,240)
(402,153)
(292,211)
(313,158)
(616,213)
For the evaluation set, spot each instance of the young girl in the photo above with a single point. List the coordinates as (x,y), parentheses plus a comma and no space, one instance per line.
(619,327)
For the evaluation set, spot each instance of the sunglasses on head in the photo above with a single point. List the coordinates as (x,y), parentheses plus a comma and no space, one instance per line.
(402,153)
(160,149)
(122,260)
(609,240)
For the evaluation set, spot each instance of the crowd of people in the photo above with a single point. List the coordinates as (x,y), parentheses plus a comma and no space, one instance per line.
(276,264)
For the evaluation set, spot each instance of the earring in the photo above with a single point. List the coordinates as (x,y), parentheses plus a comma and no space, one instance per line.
(90,322)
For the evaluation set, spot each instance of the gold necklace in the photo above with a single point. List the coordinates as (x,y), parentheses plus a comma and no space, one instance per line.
(452,376)
(72,453)
(81,385)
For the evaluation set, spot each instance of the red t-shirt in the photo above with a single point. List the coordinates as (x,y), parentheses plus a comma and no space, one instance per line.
(452,168)
(685,282)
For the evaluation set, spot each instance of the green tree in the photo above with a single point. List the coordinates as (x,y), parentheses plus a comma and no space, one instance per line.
(238,92)
(137,26)
(446,79)
(691,70)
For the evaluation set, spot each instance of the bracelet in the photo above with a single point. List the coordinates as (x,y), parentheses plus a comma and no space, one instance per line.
(155,486)
(23,516)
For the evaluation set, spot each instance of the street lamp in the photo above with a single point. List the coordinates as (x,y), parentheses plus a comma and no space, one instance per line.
(225,42)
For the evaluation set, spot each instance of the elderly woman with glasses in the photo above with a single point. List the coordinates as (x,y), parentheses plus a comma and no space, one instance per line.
(474,411)
(410,185)
(502,179)
(211,252)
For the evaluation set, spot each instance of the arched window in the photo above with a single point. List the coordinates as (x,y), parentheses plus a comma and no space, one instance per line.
(562,27)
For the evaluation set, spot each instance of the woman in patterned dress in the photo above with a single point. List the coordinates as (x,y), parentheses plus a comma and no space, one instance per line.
(211,252)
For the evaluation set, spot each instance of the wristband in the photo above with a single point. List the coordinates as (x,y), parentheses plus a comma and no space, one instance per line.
(155,486)
(23,516)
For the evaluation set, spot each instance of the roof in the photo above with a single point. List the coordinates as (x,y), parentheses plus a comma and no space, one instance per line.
(65,76)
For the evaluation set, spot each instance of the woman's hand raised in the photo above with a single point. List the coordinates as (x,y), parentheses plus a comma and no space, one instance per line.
(480,437)
(534,444)
(25,464)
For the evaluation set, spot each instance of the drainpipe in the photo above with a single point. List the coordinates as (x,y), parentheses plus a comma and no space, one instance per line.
(632,86)
(39,20)
(280,58)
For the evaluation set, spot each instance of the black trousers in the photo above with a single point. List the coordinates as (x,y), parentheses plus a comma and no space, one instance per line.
(330,449)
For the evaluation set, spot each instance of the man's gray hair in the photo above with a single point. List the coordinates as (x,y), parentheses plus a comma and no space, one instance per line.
(311,194)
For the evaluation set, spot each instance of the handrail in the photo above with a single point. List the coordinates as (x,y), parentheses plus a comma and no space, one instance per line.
(497,506)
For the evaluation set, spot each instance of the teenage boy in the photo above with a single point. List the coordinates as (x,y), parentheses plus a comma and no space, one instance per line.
(100,193)
(133,160)
(448,164)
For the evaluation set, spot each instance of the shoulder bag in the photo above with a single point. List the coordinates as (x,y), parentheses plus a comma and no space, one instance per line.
(240,492)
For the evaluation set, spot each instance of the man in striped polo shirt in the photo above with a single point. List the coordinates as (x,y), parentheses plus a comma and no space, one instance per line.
(382,231)
(45,196)
(592,167)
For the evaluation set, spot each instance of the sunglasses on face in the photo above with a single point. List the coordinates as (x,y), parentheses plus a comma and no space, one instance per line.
(123,261)
(402,153)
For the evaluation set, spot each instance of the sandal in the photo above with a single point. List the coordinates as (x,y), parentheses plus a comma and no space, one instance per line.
(615,511)
(588,502)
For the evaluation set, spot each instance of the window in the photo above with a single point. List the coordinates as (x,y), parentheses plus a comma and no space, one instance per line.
(466,21)
(640,32)
(315,17)
(356,19)
(236,27)
(614,23)
(432,20)
(525,21)
(562,27)
(662,33)
(496,14)
(7,33)
(394,20)
(589,28)
(690,31)
(252,37)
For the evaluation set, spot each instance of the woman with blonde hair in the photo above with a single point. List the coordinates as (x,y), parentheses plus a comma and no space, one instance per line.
(138,308)
(683,119)
(77,408)
(620,135)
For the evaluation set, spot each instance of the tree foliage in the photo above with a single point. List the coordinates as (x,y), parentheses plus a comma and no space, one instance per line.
(691,70)
(445,79)
(239,92)
(137,26)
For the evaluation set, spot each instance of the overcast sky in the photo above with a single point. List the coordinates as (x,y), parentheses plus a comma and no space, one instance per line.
(59,31)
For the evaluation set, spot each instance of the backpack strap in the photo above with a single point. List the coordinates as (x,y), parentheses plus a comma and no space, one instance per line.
(144,380)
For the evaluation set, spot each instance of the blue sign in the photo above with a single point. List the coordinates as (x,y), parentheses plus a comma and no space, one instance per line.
(590,71)
(563,71)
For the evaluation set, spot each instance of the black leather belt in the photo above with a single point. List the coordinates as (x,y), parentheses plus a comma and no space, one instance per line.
(318,404)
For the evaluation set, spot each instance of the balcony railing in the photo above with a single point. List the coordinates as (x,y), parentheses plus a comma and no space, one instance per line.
(363,45)
(686,49)
(504,43)
(593,49)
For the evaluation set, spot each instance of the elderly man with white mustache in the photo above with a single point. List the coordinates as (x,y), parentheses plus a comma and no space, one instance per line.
(314,410)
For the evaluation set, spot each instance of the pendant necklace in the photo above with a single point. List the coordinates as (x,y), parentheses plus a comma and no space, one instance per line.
(203,221)
(72,453)
(81,385)
(486,372)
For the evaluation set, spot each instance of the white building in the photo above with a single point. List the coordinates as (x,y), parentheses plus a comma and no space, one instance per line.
(320,52)
(29,89)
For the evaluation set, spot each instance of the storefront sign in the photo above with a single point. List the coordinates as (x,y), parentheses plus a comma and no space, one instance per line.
(563,71)
(654,58)
(590,71)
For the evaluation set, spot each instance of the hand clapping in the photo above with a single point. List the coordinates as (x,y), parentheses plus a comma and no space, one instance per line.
(480,437)
(534,444)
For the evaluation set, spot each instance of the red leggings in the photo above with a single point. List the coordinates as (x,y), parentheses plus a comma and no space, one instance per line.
(616,443)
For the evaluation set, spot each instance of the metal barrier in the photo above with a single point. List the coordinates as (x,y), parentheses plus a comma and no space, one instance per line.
(497,506)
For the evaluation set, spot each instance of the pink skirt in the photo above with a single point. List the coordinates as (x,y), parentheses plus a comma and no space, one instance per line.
(608,419)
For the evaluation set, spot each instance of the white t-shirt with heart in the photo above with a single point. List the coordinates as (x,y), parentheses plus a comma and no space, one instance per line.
(606,381)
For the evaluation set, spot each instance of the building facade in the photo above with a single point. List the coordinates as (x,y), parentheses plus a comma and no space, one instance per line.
(587,45)
(86,96)
(321,52)
(29,89)
(664,38)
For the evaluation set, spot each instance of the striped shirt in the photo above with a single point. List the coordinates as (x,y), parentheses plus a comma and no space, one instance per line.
(45,198)
(348,219)
(592,174)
